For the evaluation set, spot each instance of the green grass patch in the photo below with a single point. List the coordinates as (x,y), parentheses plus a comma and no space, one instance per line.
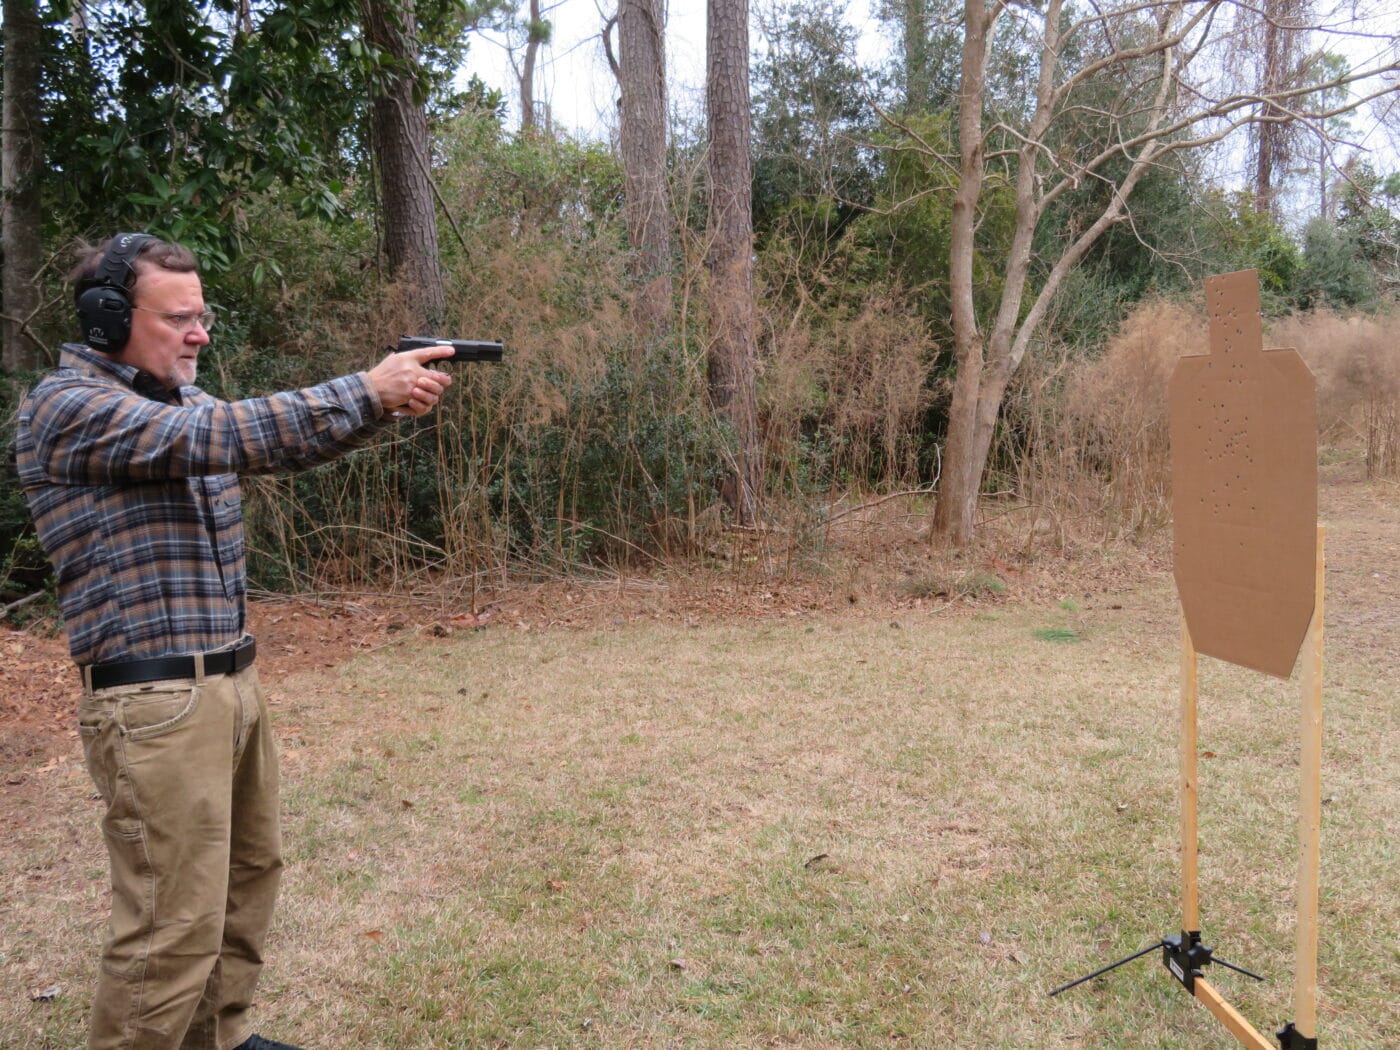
(1057,635)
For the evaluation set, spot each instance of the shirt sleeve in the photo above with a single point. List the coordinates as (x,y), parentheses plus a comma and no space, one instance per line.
(91,432)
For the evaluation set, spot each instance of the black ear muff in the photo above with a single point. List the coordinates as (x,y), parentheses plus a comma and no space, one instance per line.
(105,317)
(104,304)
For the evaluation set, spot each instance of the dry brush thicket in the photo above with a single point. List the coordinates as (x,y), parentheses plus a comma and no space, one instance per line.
(592,444)
(1087,436)
(845,391)
(1357,363)
(1086,439)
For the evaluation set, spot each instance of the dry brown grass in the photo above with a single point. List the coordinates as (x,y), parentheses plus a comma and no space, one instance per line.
(867,826)
(1086,442)
(1088,437)
(844,390)
(1357,363)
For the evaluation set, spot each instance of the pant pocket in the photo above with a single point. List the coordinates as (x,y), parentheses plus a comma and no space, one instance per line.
(97,730)
(155,710)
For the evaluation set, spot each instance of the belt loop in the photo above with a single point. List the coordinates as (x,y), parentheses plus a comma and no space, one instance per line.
(198,668)
(87,679)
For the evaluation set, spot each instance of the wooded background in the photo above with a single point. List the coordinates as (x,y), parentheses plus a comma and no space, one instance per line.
(963,270)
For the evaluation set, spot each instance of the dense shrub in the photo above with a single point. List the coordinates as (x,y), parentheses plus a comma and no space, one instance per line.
(579,446)
(844,391)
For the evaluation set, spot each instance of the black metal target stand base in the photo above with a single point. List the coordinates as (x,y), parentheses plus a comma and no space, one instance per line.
(1186,957)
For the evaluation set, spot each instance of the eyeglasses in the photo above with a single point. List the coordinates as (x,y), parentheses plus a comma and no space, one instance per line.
(184,322)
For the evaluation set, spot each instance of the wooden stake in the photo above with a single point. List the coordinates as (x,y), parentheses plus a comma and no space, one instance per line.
(1231,1018)
(1310,815)
(1190,900)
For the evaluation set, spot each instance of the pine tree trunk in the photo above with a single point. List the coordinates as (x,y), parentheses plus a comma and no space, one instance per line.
(399,134)
(646,205)
(1278,59)
(21,165)
(1272,147)
(732,366)
(916,31)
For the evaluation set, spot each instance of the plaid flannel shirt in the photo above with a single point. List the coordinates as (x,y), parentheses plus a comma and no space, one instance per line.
(134,491)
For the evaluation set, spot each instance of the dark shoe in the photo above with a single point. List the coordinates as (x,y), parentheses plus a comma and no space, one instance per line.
(257,1042)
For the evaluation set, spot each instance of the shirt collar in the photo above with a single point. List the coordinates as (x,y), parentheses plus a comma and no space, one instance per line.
(88,361)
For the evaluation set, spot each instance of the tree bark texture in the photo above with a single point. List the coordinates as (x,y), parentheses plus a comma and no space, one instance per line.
(646,203)
(1270,148)
(399,134)
(527,69)
(916,33)
(956,507)
(21,167)
(732,366)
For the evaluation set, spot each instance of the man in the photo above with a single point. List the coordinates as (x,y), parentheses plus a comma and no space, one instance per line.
(131,476)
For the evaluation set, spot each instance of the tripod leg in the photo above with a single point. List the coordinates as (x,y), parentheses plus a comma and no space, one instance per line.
(1238,969)
(1111,966)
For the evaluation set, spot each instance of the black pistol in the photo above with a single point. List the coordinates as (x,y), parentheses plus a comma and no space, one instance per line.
(462,349)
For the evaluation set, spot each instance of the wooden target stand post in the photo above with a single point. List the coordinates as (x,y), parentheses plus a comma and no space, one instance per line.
(1248,561)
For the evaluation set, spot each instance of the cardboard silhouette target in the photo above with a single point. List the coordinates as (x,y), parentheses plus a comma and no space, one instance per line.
(1249,571)
(1243,425)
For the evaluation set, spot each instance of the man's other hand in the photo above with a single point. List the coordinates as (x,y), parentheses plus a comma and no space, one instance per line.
(405,385)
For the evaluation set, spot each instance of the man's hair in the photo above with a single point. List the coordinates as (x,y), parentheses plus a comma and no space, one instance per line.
(155,253)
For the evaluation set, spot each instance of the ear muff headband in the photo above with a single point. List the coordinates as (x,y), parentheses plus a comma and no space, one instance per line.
(104,305)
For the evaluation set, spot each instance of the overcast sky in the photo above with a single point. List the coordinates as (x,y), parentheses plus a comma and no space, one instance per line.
(573,78)
(572,73)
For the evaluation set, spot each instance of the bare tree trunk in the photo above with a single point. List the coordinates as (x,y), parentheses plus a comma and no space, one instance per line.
(1322,209)
(916,32)
(986,361)
(1271,149)
(78,20)
(533,38)
(21,211)
(399,132)
(646,205)
(1160,108)
(732,365)
(954,513)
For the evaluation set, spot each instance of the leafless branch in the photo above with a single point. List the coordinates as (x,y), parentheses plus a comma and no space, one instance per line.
(17,605)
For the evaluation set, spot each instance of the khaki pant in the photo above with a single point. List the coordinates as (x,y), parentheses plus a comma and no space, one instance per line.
(188,771)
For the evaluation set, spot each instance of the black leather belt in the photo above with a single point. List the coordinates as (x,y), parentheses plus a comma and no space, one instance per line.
(159,668)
